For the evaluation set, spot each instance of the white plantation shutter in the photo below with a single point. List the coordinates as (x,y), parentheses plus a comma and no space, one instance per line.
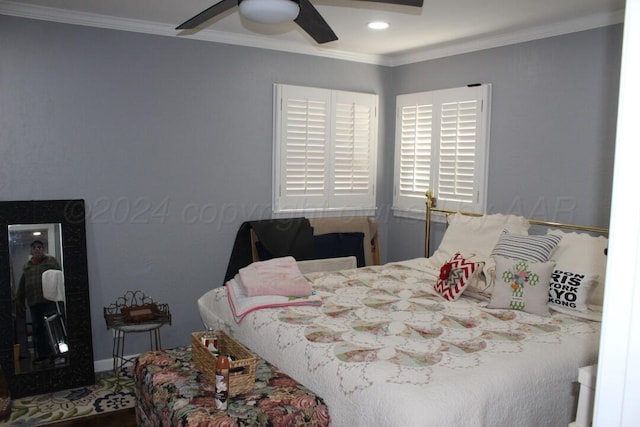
(442,145)
(355,150)
(306,136)
(325,148)
(413,171)
(458,146)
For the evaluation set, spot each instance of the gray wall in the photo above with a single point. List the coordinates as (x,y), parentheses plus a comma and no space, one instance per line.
(169,142)
(553,119)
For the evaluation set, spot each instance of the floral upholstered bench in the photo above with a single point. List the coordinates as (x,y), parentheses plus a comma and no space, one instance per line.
(171,391)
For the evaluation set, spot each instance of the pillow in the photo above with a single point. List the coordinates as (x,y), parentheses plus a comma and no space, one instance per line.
(476,235)
(570,290)
(528,248)
(455,276)
(522,285)
(581,253)
(482,287)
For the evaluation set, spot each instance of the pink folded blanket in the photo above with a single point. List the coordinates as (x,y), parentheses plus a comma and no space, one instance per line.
(277,276)
(241,304)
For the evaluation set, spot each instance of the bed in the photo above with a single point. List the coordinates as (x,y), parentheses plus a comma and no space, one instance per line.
(445,340)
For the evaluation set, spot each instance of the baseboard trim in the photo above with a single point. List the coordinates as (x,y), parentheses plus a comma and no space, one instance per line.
(107,364)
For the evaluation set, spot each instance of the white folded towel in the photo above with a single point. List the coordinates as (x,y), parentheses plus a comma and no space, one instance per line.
(53,285)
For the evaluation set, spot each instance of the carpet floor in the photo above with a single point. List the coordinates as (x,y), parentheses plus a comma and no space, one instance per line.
(107,395)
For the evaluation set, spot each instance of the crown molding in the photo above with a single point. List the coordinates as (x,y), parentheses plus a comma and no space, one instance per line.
(565,27)
(44,13)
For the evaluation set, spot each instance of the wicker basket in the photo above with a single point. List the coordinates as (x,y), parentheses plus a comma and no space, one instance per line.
(242,376)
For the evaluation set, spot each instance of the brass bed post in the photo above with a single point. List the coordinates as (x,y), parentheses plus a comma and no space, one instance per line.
(430,202)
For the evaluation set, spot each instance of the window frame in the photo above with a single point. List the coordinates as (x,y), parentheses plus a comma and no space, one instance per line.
(323,197)
(411,204)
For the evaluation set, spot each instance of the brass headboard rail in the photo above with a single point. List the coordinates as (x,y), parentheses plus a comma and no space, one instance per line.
(431,209)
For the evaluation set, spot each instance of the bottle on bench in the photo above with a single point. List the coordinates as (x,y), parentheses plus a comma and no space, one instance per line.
(222,382)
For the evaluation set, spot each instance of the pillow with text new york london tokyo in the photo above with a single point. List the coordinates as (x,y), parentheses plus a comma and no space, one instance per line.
(578,279)
(570,289)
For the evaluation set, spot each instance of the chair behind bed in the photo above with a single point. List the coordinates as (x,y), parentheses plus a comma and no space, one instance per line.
(324,226)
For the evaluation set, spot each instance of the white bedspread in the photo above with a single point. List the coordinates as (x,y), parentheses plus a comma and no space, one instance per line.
(385,350)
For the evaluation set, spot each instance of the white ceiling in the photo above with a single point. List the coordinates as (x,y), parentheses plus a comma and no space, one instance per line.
(439,28)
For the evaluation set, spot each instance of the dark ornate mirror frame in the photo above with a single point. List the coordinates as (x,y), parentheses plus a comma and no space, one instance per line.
(80,371)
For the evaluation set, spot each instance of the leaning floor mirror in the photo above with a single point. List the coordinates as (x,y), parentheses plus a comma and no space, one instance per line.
(45,321)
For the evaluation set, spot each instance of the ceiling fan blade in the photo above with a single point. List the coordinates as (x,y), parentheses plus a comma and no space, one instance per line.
(416,3)
(207,14)
(310,20)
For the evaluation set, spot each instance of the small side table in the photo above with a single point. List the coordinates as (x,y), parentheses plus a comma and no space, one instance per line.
(134,312)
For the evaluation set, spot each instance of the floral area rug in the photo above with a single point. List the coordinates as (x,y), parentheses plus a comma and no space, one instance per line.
(106,395)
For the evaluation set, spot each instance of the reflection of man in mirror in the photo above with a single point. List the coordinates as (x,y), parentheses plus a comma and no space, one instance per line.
(30,288)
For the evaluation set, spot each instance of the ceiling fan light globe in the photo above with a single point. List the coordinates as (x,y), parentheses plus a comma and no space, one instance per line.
(269,11)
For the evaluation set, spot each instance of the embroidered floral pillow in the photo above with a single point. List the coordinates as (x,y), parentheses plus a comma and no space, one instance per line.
(522,285)
(455,275)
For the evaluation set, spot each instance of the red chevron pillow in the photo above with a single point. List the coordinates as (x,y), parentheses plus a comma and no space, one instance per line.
(455,276)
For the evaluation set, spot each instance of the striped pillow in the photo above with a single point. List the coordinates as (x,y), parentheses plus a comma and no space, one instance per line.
(528,248)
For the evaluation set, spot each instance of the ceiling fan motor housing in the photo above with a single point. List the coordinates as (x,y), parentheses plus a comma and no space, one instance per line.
(269,11)
(302,12)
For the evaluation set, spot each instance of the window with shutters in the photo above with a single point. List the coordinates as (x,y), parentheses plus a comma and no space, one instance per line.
(442,145)
(325,149)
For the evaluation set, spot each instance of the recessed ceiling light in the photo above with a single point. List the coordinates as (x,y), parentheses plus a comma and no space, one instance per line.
(378,25)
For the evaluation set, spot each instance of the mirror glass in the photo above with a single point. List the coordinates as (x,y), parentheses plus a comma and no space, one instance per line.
(37,287)
(61,358)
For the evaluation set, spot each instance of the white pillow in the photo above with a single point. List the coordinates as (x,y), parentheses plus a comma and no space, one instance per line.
(476,236)
(522,285)
(482,287)
(583,254)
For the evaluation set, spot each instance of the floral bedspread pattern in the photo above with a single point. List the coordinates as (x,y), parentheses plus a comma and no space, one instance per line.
(394,317)
(171,392)
(385,342)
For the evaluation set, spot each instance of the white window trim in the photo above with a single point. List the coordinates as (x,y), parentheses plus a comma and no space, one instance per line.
(326,200)
(413,206)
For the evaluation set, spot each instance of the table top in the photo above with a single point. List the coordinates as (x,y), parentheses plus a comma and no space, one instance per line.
(135,311)
(118,321)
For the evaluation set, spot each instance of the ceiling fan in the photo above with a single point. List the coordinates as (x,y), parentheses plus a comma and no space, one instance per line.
(302,12)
